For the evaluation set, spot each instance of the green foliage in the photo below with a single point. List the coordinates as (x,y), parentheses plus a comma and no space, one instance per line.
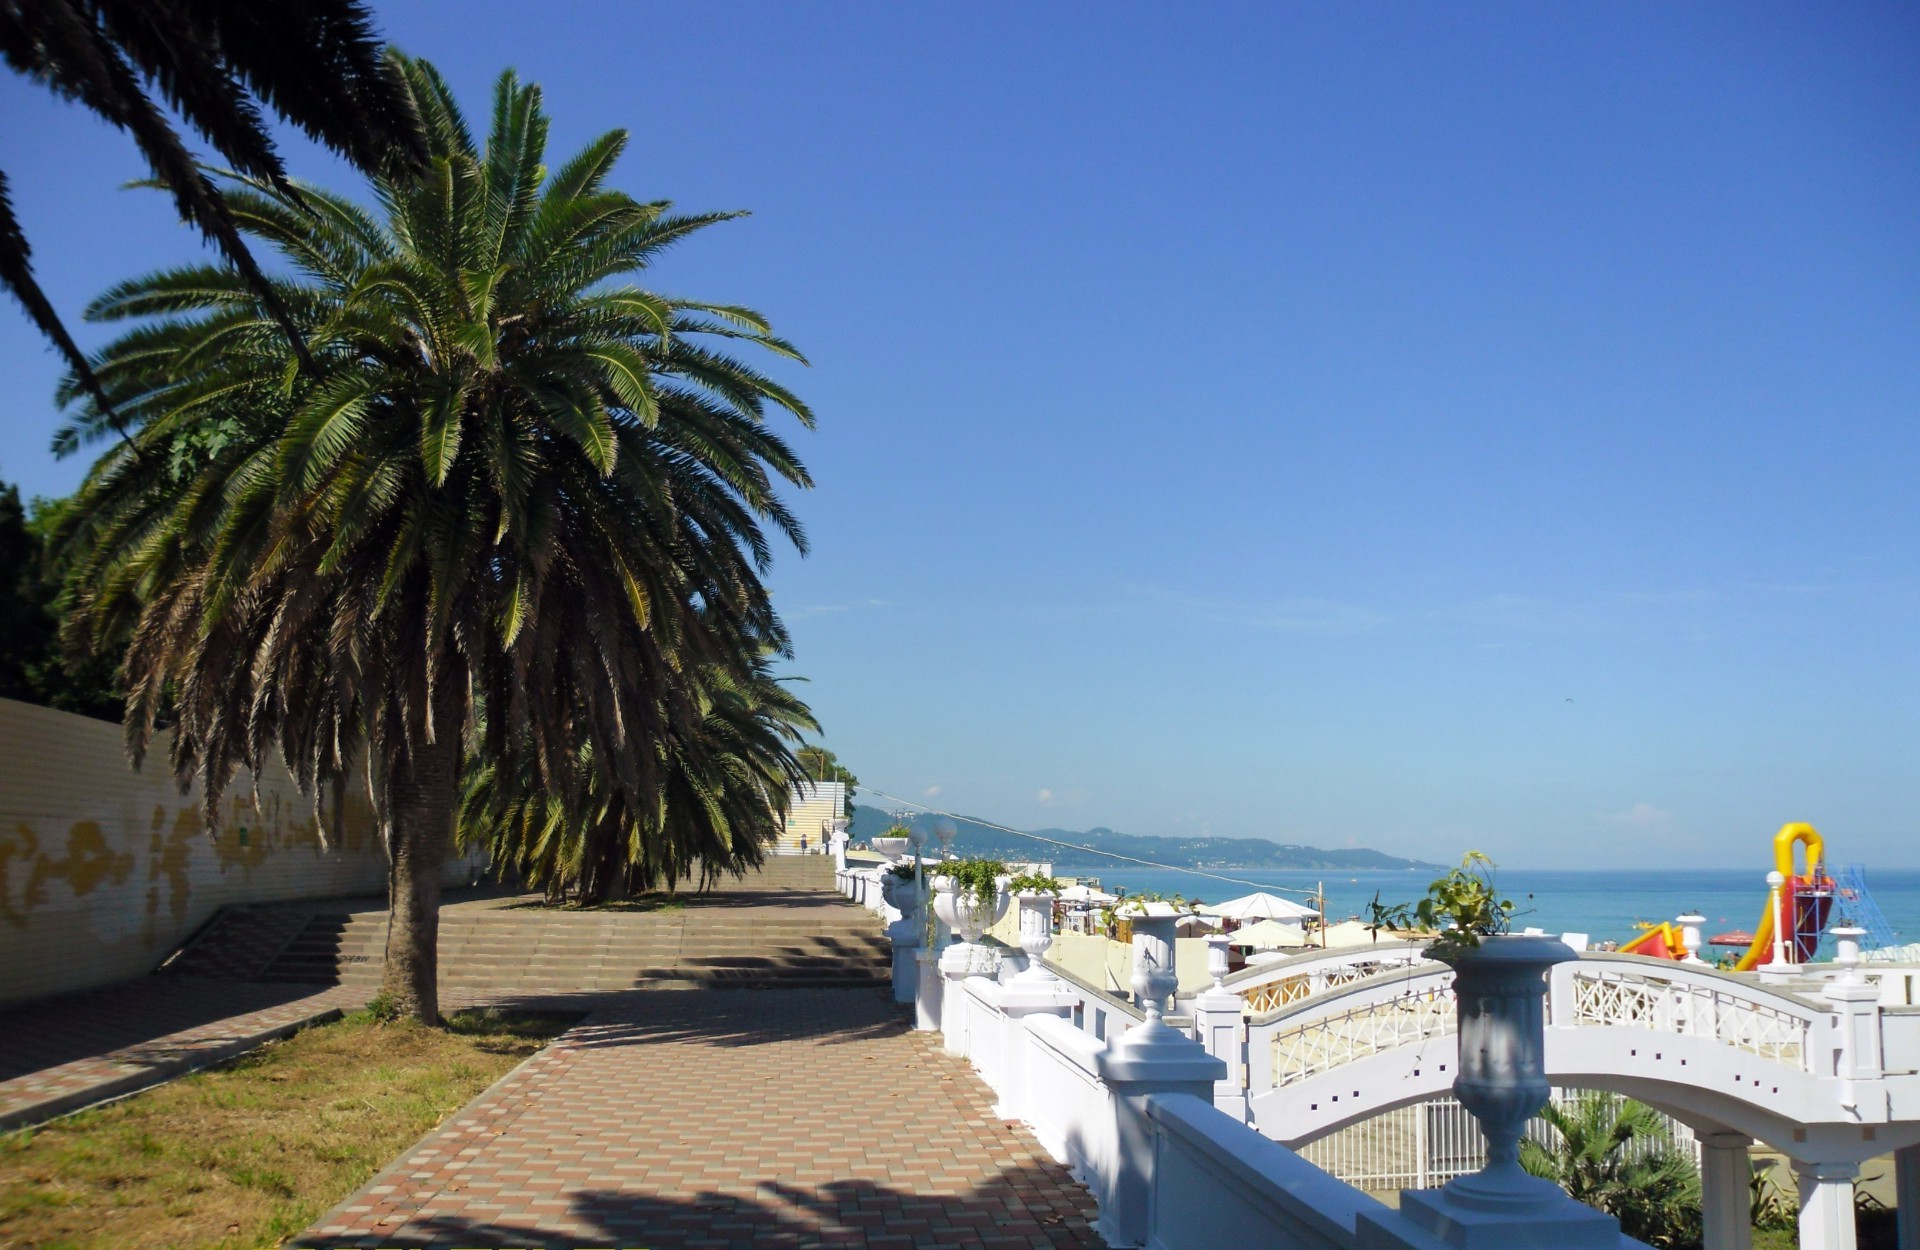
(1615,1155)
(977,877)
(1768,1206)
(821,764)
(35,665)
(1462,905)
(1032,883)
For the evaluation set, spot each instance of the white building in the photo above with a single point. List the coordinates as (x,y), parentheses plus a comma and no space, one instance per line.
(811,810)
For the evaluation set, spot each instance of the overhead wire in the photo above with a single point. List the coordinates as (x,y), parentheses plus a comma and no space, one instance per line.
(1090,850)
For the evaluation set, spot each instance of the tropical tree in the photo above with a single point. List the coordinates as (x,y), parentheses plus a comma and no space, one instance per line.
(513,481)
(726,775)
(35,665)
(216,64)
(1614,1154)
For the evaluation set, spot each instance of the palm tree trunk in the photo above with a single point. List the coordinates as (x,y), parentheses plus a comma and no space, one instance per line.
(423,809)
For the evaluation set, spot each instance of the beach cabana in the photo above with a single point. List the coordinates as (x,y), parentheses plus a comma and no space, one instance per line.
(1267,934)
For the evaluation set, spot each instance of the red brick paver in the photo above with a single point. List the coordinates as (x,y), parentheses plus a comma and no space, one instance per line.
(60,1054)
(726,1118)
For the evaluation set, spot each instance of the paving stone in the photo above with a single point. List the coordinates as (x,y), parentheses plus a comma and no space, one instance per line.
(726,1118)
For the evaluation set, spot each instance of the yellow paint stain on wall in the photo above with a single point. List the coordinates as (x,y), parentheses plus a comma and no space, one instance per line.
(104,869)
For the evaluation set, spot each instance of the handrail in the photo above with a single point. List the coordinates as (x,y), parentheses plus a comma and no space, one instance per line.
(1702,974)
(1406,978)
(1340,956)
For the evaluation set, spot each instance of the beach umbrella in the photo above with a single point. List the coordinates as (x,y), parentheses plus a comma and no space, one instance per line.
(1260,906)
(1269,933)
(1085,894)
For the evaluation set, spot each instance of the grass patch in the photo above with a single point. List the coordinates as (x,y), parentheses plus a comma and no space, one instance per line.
(249,1154)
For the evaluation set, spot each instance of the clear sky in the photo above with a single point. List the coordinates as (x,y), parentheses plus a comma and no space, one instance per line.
(1417,427)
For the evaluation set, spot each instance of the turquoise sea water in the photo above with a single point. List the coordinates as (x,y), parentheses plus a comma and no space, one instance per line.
(1599,904)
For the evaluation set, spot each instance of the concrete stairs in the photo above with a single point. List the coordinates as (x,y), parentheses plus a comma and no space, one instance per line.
(783,927)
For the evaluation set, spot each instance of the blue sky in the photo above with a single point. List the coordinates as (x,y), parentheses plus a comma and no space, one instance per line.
(1373,425)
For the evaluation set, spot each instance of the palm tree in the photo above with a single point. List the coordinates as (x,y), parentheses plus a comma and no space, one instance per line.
(513,481)
(726,786)
(315,63)
(1614,1154)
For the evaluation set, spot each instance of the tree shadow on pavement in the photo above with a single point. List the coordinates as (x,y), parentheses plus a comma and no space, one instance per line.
(1022,1206)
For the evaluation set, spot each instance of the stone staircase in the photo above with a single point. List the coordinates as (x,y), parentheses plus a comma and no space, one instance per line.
(782,927)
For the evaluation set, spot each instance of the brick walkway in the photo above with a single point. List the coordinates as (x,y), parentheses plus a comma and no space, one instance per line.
(725,1118)
(60,1054)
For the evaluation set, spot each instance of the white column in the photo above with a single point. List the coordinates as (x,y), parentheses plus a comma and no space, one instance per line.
(1826,1205)
(1726,1177)
(1906,1188)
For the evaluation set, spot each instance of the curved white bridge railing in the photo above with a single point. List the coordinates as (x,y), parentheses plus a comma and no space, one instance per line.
(1336,1037)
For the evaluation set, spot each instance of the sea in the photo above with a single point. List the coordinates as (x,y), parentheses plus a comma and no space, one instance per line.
(1601,904)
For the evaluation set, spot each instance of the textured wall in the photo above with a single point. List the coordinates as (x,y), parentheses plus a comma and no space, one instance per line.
(104,870)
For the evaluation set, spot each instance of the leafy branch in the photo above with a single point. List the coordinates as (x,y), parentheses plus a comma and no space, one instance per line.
(1463,906)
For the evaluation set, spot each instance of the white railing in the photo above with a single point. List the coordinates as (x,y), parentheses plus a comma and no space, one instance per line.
(1362,1020)
(1626,992)
(1270,987)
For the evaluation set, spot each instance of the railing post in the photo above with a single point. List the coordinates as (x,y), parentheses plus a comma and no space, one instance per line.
(1726,1178)
(1150,1058)
(1857,1005)
(1220,1028)
(1561,991)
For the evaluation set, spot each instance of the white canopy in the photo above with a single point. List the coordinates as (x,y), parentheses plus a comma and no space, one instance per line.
(1268,934)
(1085,894)
(1260,906)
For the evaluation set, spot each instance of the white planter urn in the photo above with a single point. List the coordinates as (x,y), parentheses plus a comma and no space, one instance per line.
(1154,979)
(1500,987)
(893,849)
(903,895)
(1036,935)
(966,914)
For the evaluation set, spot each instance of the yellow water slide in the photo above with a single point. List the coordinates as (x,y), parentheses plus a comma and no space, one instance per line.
(1783,843)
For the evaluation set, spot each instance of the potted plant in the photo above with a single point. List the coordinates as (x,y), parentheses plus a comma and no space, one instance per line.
(967,895)
(903,893)
(1499,985)
(896,843)
(1036,896)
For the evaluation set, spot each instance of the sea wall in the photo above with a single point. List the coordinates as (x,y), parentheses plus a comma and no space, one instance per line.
(105,870)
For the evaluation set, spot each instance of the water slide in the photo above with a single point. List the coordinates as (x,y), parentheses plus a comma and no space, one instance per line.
(1806,897)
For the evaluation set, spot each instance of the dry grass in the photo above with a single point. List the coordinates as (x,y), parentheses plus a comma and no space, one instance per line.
(249,1154)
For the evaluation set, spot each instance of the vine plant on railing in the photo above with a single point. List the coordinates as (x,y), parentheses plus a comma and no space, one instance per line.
(1032,883)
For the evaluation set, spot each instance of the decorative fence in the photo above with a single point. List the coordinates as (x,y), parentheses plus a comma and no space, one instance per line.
(1431,1143)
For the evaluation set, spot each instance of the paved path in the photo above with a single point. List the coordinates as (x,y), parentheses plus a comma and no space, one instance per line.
(60,1054)
(726,1118)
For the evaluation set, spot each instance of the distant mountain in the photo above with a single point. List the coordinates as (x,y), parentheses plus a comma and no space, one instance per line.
(977,839)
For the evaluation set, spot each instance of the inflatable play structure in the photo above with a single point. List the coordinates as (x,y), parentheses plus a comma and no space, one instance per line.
(1799,905)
